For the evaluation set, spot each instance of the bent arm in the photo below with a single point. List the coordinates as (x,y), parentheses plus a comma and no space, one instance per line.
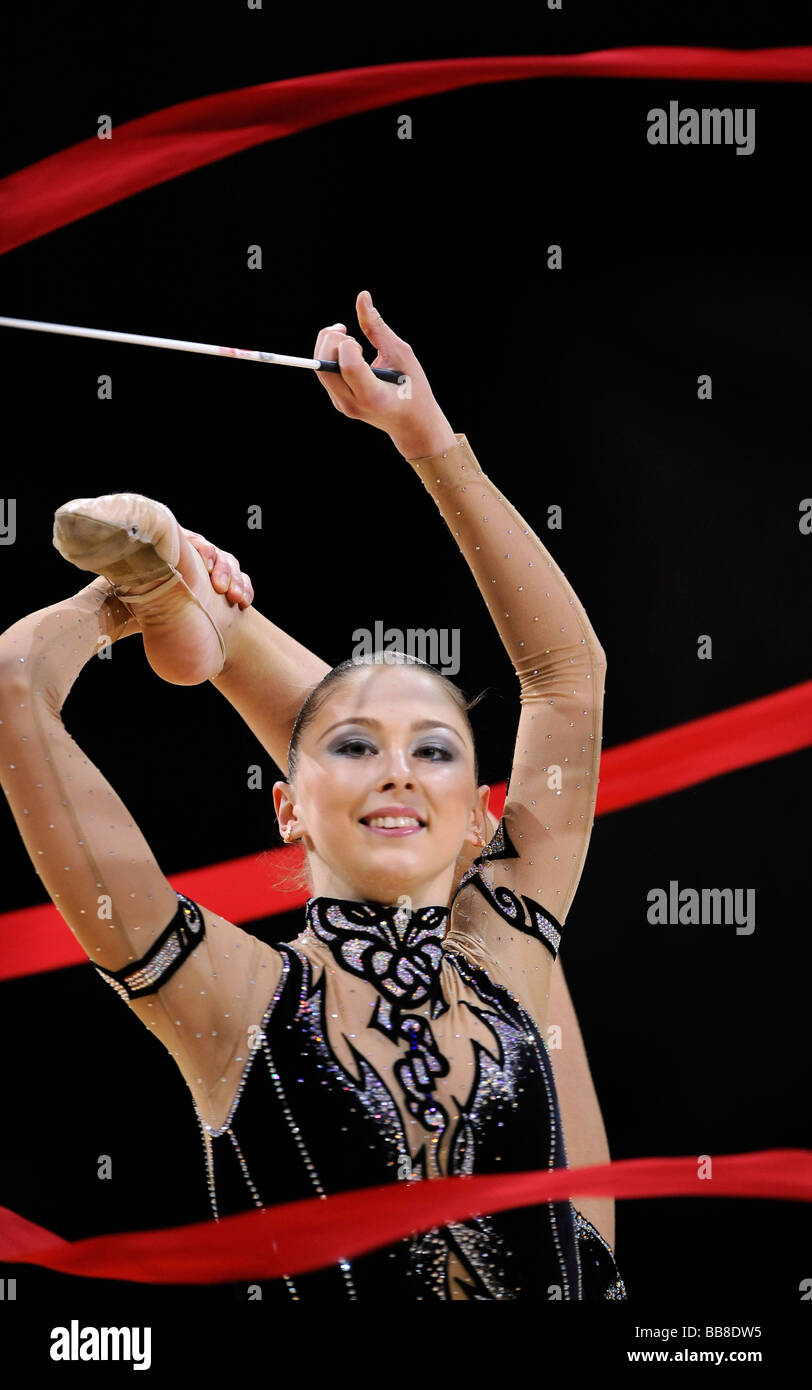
(82,841)
(98,868)
(266,678)
(538,858)
(549,808)
(560,666)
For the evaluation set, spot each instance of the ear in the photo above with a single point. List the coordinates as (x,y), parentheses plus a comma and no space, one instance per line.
(285,808)
(483,824)
(487,826)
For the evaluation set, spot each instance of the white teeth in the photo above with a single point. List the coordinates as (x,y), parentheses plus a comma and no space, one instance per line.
(389,822)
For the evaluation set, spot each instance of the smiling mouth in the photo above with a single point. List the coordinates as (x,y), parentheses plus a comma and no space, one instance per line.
(393,825)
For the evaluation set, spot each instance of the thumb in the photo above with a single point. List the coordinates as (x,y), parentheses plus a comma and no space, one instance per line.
(372,325)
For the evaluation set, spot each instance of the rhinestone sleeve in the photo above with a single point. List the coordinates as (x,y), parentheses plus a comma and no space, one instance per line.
(167,953)
(558,662)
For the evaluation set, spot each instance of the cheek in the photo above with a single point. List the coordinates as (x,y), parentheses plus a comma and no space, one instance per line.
(332,781)
(336,791)
(457,787)
(452,799)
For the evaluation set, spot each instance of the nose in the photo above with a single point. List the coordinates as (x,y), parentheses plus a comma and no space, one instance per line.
(397,770)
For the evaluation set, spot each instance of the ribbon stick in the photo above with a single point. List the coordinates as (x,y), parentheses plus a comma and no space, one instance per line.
(276,359)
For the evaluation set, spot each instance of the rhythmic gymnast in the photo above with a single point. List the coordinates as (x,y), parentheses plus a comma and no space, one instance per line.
(401,1035)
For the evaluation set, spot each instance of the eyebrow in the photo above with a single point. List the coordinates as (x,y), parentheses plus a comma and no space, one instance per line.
(418,724)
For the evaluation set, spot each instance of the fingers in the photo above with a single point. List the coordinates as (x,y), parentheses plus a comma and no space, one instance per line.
(226,576)
(335,328)
(333,345)
(355,390)
(374,326)
(201,545)
(246,591)
(363,385)
(233,582)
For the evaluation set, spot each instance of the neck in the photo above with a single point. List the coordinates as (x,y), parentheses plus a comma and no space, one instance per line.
(428,893)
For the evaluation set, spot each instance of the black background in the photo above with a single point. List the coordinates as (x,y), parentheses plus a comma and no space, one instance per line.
(576,387)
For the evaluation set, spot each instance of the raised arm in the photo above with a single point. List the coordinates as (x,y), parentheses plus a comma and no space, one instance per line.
(266,677)
(508,914)
(560,667)
(97,867)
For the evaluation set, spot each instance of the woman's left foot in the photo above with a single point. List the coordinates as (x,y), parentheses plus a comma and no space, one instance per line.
(137,545)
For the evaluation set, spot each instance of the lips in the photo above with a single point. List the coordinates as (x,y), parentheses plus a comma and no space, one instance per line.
(404,820)
(394,813)
(393,829)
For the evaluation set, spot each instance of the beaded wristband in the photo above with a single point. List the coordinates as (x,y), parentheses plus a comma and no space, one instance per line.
(166,954)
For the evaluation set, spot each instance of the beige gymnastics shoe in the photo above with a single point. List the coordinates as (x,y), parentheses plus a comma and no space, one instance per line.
(136,544)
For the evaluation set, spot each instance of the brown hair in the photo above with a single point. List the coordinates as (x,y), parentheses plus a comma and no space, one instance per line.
(298,879)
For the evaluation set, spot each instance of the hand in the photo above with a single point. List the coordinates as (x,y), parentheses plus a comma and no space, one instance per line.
(224,570)
(409,414)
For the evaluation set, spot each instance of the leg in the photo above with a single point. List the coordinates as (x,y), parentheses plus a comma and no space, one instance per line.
(137,545)
(191,631)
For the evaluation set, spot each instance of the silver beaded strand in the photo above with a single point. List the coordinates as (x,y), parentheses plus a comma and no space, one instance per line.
(209,1133)
(344,1265)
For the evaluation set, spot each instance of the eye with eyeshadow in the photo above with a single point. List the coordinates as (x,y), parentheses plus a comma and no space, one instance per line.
(444,754)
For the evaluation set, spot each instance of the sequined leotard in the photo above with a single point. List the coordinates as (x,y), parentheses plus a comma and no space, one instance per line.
(381,1045)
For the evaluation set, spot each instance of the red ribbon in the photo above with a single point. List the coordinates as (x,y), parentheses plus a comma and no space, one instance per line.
(301,1236)
(151,149)
(706,747)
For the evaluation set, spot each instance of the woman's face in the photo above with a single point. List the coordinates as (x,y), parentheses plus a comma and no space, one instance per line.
(388,737)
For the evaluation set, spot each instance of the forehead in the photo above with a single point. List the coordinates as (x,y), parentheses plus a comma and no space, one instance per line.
(387,693)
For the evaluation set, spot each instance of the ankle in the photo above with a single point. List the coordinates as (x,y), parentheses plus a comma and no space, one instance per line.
(239,633)
(127,591)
